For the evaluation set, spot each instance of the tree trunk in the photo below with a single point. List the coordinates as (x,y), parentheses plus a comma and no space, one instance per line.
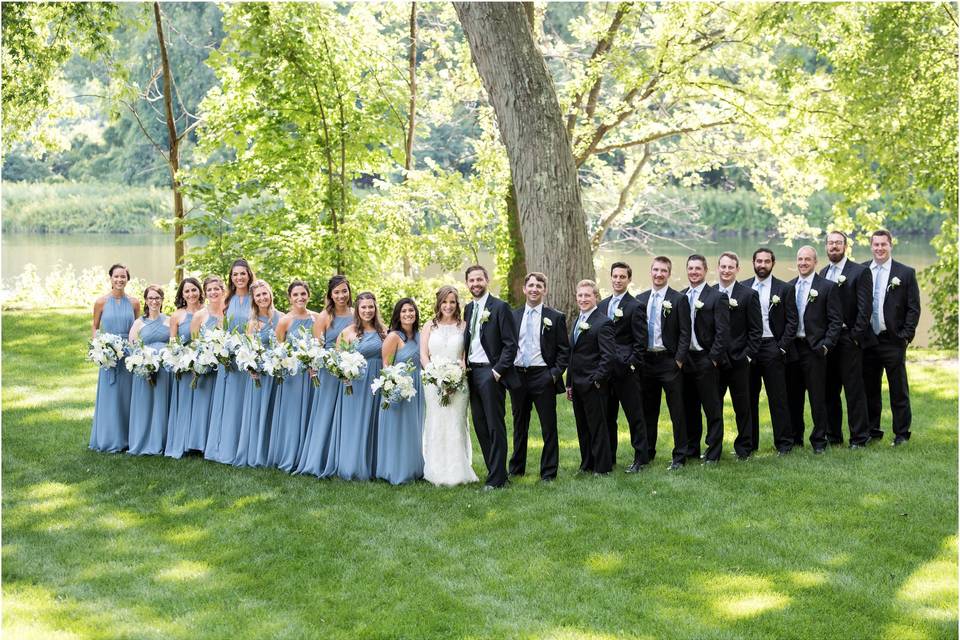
(531,125)
(518,257)
(412,116)
(173,157)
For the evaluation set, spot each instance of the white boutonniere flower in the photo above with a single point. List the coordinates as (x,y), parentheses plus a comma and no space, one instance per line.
(547,323)
(812,295)
(841,279)
(484,316)
(667,308)
(774,300)
(584,326)
(733,303)
(617,313)
(698,304)
(894,283)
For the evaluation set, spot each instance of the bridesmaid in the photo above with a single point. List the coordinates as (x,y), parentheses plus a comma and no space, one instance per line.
(150,403)
(258,402)
(357,413)
(292,405)
(319,447)
(209,317)
(113,313)
(226,407)
(399,441)
(188,301)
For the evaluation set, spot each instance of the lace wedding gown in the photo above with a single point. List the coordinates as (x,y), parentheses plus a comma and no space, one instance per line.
(447,449)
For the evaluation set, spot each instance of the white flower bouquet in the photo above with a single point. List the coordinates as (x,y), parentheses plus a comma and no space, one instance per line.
(177,357)
(106,350)
(348,365)
(310,352)
(247,356)
(447,377)
(279,361)
(395,384)
(144,361)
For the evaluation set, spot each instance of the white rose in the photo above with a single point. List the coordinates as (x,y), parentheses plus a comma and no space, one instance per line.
(618,313)
(547,322)
(813,294)
(774,300)
(584,326)
(734,303)
(842,279)
(698,304)
(667,305)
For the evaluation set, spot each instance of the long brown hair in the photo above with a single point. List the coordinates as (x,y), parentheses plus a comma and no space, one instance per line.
(377,322)
(231,287)
(332,284)
(146,292)
(442,293)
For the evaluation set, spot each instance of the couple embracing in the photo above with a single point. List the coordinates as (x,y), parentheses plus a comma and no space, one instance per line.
(484,342)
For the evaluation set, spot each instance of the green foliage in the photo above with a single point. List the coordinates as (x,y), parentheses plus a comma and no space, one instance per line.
(68,207)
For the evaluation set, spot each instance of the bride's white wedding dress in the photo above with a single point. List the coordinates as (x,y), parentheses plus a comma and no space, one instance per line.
(447,449)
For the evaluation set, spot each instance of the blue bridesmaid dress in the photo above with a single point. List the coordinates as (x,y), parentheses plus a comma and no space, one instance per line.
(150,403)
(202,394)
(258,406)
(319,446)
(226,408)
(400,430)
(290,412)
(111,413)
(181,402)
(356,415)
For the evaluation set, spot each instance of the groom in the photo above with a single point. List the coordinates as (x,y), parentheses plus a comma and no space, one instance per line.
(490,348)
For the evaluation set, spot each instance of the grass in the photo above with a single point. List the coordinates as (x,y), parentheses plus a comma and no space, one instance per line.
(852,544)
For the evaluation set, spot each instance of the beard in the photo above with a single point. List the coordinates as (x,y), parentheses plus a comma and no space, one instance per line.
(762,272)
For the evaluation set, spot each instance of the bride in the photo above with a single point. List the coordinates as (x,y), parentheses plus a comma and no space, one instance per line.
(447,449)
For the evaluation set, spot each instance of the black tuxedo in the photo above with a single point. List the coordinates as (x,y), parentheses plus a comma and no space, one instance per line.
(746,330)
(845,361)
(661,371)
(888,350)
(539,386)
(630,335)
(822,320)
(768,368)
(592,358)
(487,395)
(701,374)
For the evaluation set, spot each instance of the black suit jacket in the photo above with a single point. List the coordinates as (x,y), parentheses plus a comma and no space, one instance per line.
(746,323)
(711,324)
(592,355)
(901,305)
(497,337)
(630,330)
(856,299)
(823,315)
(674,322)
(782,315)
(554,341)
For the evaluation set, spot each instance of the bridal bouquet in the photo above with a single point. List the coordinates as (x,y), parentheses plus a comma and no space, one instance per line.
(144,361)
(447,377)
(279,361)
(206,356)
(311,352)
(106,350)
(219,344)
(347,365)
(247,354)
(395,383)
(177,358)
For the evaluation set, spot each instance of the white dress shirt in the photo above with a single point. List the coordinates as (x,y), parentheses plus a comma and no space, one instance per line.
(881,278)
(694,345)
(802,305)
(764,288)
(658,318)
(835,276)
(534,315)
(477,354)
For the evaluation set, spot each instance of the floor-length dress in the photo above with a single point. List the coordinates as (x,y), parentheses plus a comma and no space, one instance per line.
(291,410)
(400,430)
(447,449)
(111,412)
(200,403)
(181,402)
(357,415)
(258,404)
(150,403)
(226,407)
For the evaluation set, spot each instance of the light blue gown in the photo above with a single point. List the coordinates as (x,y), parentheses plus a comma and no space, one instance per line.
(226,407)
(181,402)
(290,413)
(200,402)
(150,403)
(318,454)
(257,409)
(400,430)
(357,414)
(111,413)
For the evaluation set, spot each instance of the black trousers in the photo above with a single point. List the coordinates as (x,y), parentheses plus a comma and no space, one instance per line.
(589,409)
(487,404)
(736,377)
(890,356)
(625,391)
(768,370)
(536,390)
(845,369)
(661,375)
(807,376)
(701,390)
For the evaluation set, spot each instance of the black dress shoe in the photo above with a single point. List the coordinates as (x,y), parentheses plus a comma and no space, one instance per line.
(709,463)
(636,467)
(783,452)
(819,450)
(548,479)
(874,437)
(675,466)
(899,440)
(856,446)
(741,458)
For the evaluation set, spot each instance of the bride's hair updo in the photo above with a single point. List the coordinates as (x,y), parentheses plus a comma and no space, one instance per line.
(441,296)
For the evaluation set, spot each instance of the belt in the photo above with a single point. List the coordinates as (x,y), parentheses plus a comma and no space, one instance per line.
(660,354)
(767,340)
(530,369)
(478,365)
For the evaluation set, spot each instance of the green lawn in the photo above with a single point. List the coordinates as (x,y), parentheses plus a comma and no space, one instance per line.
(851,544)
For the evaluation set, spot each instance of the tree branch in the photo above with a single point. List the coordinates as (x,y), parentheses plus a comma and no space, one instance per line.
(607,220)
(659,136)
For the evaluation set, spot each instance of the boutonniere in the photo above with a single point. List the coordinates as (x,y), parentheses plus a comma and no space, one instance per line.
(547,323)
(484,316)
(812,295)
(584,326)
(840,280)
(733,303)
(698,304)
(617,314)
(667,308)
(894,283)
(774,300)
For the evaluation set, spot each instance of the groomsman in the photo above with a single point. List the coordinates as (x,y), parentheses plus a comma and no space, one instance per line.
(591,364)
(746,331)
(845,363)
(893,324)
(623,310)
(490,346)
(778,311)
(668,339)
(542,356)
(819,320)
(710,330)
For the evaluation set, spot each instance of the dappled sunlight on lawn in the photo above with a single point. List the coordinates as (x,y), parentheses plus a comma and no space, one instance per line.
(605,563)
(738,596)
(931,591)
(183,571)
